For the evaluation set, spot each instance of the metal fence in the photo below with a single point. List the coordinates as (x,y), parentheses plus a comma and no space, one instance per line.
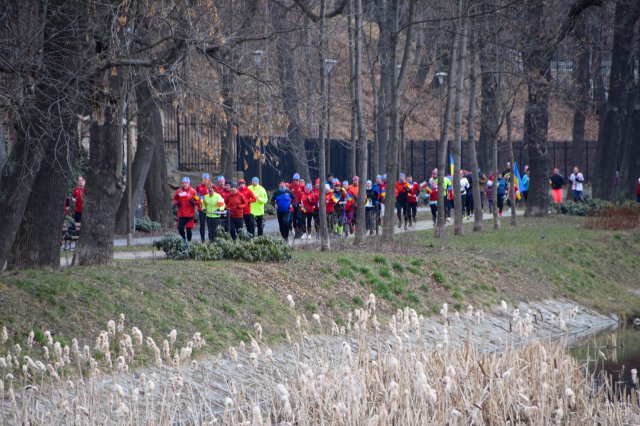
(199,147)
(197,140)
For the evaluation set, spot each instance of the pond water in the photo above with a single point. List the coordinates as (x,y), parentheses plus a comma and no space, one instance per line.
(614,353)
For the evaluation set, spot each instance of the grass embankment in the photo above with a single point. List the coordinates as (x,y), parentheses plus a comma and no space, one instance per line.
(554,258)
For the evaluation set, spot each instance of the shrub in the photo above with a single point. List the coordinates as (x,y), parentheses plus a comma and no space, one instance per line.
(269,209)
(144,224)
(588,207)
(258,249)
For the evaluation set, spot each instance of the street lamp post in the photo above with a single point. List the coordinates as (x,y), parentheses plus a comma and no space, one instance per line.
(328,65)
(257,57)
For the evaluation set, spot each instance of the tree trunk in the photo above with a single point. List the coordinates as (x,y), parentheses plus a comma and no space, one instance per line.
(537,66)
(362,135)
(229,141)
(494,194)
(38,126)
(512,180)
(322,134)
(444,135)
(582,99)
(156,187)
(384,92)
(488,107)
(37,243)
(149,134)
(610,142)
(473,155)
(105,182)
(289,87)
(630,169)
(351,149)
(396,85)
(456,149)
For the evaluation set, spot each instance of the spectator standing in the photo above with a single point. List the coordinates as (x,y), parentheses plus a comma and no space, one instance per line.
(556,181)
(250,198)
(576,178)
(283,200)
(202,190)
(524,190)
(236,203)
(502,187)
(185,200)
(78,193)
(257,208)
(213,206)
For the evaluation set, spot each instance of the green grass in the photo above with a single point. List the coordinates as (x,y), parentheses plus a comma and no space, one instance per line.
(539,259)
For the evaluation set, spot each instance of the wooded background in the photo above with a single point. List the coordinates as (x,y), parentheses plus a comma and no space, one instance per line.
(254,85)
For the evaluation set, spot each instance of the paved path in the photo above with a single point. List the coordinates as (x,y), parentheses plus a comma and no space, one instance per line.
(271,228)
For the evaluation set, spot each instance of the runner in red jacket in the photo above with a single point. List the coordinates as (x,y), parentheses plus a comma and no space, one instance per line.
(236,203)
(78,193)
(414,191)
(186,199)
(309,201)
(249,220)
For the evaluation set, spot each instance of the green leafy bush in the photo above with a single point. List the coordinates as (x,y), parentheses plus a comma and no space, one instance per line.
(144,224)
(258,249)
(269,209)
(588,207)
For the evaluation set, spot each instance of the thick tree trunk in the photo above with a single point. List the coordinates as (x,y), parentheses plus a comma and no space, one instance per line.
(39,128)
(37,243)
(156,187)
(362,135)
(444,135)
(610,143)
(537,65)
(630,170)
(288,84)
(488,109)
(456,149)
(582,100)
(105,182)
(149,134)
(396,85)
(473,154)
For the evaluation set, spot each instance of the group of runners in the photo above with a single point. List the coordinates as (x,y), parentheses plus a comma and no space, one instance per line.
(297,202)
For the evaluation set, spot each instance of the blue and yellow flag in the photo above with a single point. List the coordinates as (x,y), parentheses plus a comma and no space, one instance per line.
(451,163)
(516,182)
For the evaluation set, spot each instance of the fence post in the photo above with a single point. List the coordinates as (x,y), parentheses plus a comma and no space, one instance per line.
(565,157)
(178,136)
(424,160)
(411,143)
(586,159)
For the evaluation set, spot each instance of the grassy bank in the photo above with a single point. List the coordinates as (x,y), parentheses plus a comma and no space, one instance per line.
(554,258)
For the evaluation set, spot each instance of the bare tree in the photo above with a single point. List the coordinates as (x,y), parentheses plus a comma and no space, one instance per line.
(456,149)
(444,133)
(362,135)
